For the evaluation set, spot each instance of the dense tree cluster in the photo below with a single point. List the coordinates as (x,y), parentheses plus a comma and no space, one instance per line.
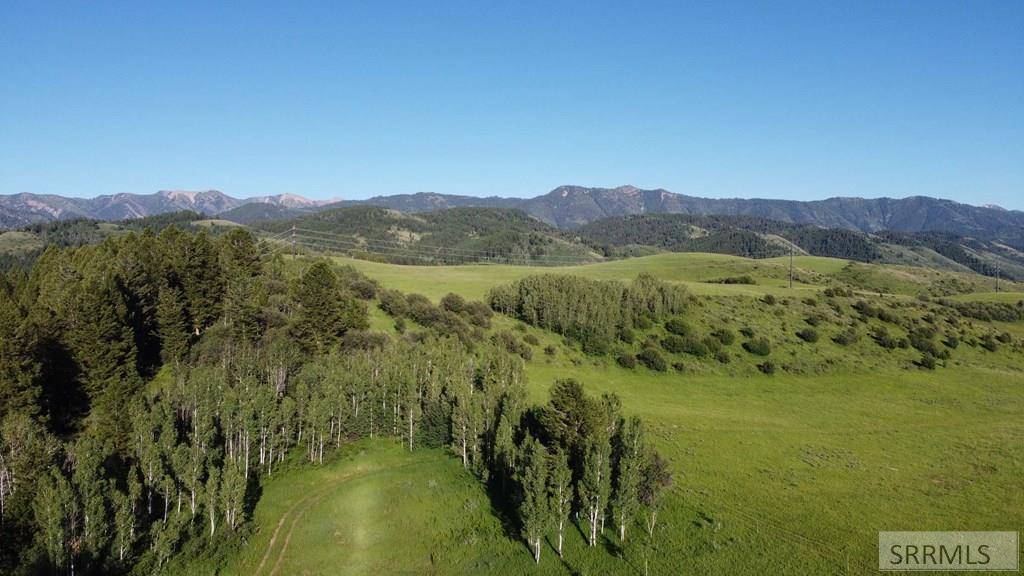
(592,312)
(747,236)
(149,383)
(580,457)
(80,334)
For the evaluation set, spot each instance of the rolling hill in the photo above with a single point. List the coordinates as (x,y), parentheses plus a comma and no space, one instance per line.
(455,235)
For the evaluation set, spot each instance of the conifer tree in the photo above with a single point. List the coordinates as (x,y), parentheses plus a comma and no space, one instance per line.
(20,389)
(172,323)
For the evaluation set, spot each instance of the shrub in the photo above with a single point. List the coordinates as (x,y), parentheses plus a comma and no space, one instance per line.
(550,350)
(747,332)
(678,327)
(808,335)
(478,313)
(626,335)
(684,344)
(724,335)
(847,337)
(531,340)
(400,325)
(813,320)
(513,345)
(652,359)
(678,366)
(453,303)
(768,299)
(672,344)
(711,344)
(838,291)
(626,360)
(810,302)
(881,337)
(767,367)
(1005,337)
(989,343)
(393,303)
(744,279)
(923,339)
(363,340)
(364,288)
(723,357)
(758,346)
(951,342)
(927,362)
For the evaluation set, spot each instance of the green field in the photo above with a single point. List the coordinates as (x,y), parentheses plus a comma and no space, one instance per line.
(696,270)
(791,474)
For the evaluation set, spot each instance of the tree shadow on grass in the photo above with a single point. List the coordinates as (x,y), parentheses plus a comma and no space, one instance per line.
(565,563)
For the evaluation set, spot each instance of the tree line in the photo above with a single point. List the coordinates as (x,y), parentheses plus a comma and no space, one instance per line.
(594,313)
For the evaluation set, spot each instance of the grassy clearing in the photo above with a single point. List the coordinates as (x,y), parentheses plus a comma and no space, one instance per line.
(17,242)
(695,270)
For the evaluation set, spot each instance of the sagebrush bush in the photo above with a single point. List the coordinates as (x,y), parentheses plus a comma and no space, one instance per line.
(652,359)
(758,346)
(808,335)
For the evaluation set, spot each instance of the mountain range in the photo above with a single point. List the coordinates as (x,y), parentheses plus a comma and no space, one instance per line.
(565,207)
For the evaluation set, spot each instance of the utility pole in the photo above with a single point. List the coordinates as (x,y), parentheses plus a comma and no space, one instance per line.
(791,265)
(998,270)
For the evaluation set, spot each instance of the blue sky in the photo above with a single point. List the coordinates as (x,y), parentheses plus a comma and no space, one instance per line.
(780,100)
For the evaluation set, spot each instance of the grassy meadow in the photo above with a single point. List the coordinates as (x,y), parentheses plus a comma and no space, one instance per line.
(787,474)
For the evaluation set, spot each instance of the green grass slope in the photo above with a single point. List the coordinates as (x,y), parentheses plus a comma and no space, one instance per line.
(790,474)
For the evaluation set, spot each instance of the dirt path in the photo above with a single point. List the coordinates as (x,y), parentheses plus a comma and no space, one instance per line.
(299,509)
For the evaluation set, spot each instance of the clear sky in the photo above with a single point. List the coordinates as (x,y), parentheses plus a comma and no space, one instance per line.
(782,100)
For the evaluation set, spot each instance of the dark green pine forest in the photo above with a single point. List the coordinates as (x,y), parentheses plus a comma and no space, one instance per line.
(151,381)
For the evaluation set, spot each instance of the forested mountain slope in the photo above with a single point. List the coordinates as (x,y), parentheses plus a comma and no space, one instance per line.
(761,238)
(456,235)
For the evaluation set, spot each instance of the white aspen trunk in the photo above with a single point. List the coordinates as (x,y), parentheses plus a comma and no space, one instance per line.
(465,456)
(410,430)
(650,522)
(247,455)
(622,531)
(561,527)
(536,549)
(263,445)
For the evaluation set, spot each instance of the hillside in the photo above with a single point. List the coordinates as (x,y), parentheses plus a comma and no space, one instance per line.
(757,237)
(456,235)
